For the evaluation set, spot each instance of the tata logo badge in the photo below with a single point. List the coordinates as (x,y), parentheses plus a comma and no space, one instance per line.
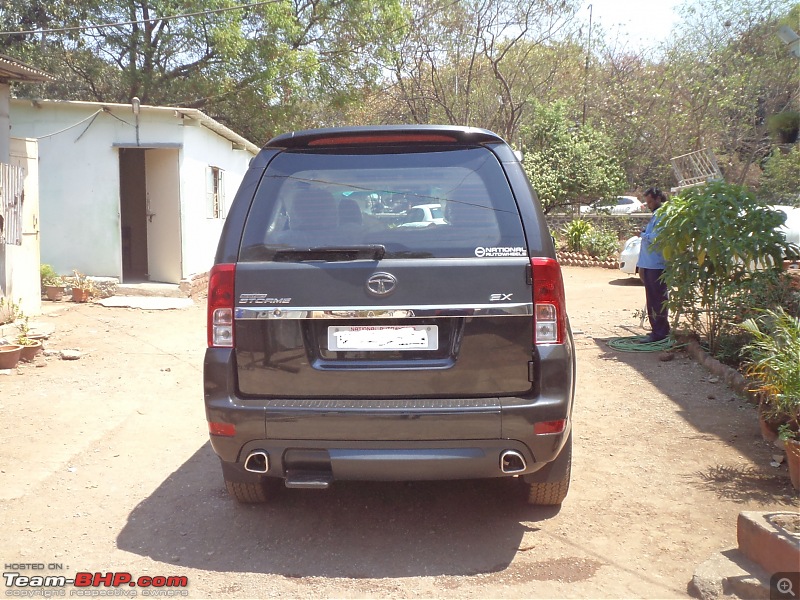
(381,285)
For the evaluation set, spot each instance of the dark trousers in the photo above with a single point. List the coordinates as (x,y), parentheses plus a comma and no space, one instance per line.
(656,293)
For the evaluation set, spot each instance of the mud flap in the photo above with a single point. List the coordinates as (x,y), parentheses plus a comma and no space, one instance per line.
(556,470)
(235,472)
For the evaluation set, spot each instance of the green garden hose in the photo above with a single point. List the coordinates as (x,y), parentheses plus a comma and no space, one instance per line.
(639,343)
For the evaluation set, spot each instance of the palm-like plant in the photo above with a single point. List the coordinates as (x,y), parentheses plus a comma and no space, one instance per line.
(774,362)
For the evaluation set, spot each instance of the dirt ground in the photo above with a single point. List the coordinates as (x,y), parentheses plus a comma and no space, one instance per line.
(105,466)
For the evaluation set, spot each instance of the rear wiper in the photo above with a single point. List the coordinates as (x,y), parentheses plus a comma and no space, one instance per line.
(331,253)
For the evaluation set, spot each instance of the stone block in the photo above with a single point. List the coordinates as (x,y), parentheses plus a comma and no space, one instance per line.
(770,539)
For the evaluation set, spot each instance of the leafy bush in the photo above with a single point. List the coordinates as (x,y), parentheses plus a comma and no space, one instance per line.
(780,182)
(784,126)
(47,274)
(718,241)
(576,234)
(602,243)
(9,310)
(773,362)
(565,163)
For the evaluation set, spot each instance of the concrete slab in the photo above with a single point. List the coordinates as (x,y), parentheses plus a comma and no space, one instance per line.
(9,331)
(146,302)
(729,574)
(150,288)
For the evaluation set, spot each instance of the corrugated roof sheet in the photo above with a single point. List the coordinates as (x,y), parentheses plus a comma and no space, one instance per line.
(13,70)
(191,113)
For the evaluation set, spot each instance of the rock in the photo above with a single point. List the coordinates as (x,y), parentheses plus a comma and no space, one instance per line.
(666,356)
(70,355)
(726,573)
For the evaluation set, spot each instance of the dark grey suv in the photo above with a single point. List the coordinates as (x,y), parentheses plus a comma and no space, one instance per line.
(345,344)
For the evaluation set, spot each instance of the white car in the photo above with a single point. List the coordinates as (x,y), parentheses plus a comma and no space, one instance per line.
(791,226)
(621,205)
(424,215)
(629,255)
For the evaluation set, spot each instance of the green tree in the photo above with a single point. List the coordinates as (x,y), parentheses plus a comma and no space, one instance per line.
(566,163)
(780,183)
(727,73)
(255,69)
(478,62)
(719,241)
(713,85)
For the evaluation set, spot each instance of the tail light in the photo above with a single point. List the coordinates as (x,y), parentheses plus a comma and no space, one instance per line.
(549,303)
(545,427)
(220,306)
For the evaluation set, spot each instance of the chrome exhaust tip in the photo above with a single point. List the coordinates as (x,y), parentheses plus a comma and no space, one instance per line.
(512,462)
(257,462)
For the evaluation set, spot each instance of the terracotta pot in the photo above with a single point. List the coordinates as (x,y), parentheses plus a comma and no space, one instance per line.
(30,351)
(80,295)
(769,429)
(9,356)
(54,292)
(793,461)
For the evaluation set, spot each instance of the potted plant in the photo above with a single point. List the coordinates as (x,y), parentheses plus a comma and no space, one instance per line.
(8,310)
(773,363)
(82,287)
(790,436)
(30,345)
(9,355)
(54,287)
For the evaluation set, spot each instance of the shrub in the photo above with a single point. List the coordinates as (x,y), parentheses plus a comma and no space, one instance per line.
(9,310)
(47,274)
(576,234)
(718,241)
(602,243)
(784,126)
(773,360)
(780,182)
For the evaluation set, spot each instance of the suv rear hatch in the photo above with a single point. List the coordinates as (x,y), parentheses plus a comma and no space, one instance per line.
(336,298)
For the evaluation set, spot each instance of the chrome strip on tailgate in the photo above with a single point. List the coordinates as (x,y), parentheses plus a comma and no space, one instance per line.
(371,312)
(389,403)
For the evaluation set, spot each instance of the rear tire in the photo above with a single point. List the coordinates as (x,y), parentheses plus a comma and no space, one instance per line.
(248,493)
(553,493)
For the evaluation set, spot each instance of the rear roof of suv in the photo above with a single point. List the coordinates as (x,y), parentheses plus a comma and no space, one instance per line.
(383,134)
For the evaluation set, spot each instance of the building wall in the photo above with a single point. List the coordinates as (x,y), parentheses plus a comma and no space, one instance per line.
(21,270)
(203,149)
(79,186)
(80,179)
(4,122)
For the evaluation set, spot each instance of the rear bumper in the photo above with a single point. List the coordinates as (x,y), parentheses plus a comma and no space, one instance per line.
(416,440)
(469,459)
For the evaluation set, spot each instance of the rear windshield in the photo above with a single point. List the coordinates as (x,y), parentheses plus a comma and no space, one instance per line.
(453,203)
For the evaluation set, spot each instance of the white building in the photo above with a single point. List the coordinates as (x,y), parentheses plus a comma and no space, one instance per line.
(19,200)
(134,192)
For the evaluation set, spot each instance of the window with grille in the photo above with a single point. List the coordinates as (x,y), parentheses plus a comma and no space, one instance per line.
(11,198)
(215,193)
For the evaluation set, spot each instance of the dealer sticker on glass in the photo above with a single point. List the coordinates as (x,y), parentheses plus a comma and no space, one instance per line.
(384,337)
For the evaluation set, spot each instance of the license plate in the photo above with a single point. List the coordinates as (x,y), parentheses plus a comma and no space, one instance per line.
(379,338)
